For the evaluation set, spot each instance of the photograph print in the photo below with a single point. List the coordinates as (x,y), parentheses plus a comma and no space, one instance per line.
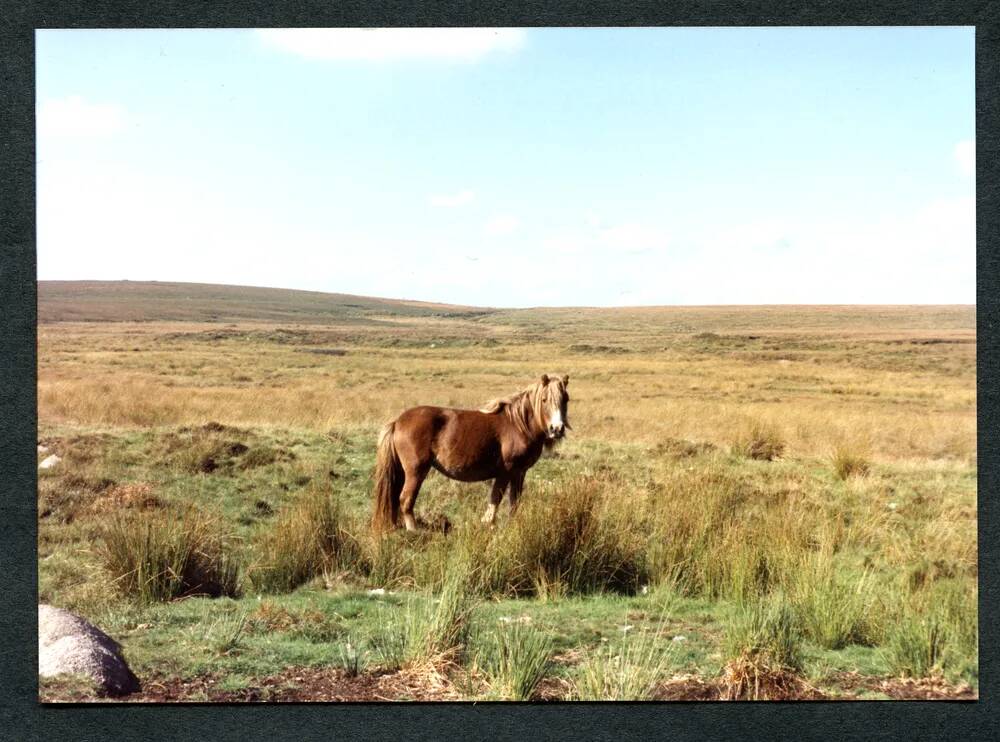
(501,364)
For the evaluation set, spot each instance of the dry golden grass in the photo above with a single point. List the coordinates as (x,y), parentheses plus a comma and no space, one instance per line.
(911,400)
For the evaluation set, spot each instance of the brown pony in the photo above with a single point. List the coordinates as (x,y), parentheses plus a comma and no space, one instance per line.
(500,441)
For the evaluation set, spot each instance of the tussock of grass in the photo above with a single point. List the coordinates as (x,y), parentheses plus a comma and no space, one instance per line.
(428,633)
(760,441)
(515,658)
(260,455)
(577,538)
(764,647)
(836,609)
(851,459)
(766,628)
(720,535)
(625,670)
(228,632)
(153,557)
(306,539)
(351,659)
(935,632)
(916,646)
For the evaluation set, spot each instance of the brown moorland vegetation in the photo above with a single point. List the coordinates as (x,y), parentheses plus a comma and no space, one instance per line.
(733,472)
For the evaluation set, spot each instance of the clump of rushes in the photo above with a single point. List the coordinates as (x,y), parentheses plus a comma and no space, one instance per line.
(916,646)
(575,538)
(935,632)
(628,669)
(155,557)
(760,441)
(836,609)
(851,459)
(432,632)
(350,658)
(515,658)
(307,539)
(228,632)
(763,645)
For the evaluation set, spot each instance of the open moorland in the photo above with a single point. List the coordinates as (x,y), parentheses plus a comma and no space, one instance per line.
(753,503)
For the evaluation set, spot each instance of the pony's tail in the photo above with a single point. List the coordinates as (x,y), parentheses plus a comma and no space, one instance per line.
(388,482)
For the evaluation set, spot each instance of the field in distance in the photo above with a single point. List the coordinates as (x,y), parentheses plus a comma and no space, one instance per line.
(788,491)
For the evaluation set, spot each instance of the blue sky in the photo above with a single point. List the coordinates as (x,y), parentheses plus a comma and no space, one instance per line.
(515,167)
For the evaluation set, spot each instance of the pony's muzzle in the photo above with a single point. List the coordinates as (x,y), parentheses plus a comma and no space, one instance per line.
(557,431)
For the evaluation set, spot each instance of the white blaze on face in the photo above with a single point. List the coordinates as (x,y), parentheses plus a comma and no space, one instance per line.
(555,419)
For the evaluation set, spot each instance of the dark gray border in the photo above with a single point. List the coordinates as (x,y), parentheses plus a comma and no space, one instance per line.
(22,717)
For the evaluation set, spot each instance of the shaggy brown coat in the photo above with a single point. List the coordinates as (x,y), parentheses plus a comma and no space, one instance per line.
(500,441)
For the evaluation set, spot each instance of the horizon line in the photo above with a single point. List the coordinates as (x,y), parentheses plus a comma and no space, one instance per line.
(509,308)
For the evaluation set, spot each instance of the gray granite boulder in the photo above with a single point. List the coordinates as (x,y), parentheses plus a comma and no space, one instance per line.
(69,644)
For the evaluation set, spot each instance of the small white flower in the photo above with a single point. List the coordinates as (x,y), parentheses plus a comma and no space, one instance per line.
(505,619)
(377,591)
(679,638)
(892,506)
(626,628)
(645,589)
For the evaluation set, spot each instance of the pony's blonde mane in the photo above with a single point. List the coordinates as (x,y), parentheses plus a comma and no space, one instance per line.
(524,408)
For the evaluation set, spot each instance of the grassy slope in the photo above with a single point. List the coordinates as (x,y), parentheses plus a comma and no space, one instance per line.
(901,376)
(145,301)
(127,301)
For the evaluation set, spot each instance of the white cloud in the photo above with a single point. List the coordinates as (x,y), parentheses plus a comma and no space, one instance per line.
(503,224)
(374,44)
(450,200)
(75,117)
(965,155)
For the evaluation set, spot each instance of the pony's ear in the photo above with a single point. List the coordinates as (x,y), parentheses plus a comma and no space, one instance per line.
(545,379)
(565,379)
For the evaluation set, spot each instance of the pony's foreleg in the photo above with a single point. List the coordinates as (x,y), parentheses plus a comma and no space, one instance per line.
(516,486)
(496,495)
(408,497)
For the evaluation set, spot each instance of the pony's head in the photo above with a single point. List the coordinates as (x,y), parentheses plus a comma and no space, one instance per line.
(541,409)
(554,402)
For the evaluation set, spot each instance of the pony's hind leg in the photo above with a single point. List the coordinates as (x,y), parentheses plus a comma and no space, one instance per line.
(411,487)
(496,495)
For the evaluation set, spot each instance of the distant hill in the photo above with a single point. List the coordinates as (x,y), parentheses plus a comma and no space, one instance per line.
(140,301)
(150,301)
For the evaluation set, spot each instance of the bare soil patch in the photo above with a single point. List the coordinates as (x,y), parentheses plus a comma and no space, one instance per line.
(901,689)
(299,684)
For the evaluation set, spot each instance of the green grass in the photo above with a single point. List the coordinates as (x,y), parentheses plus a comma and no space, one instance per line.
(834,601)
